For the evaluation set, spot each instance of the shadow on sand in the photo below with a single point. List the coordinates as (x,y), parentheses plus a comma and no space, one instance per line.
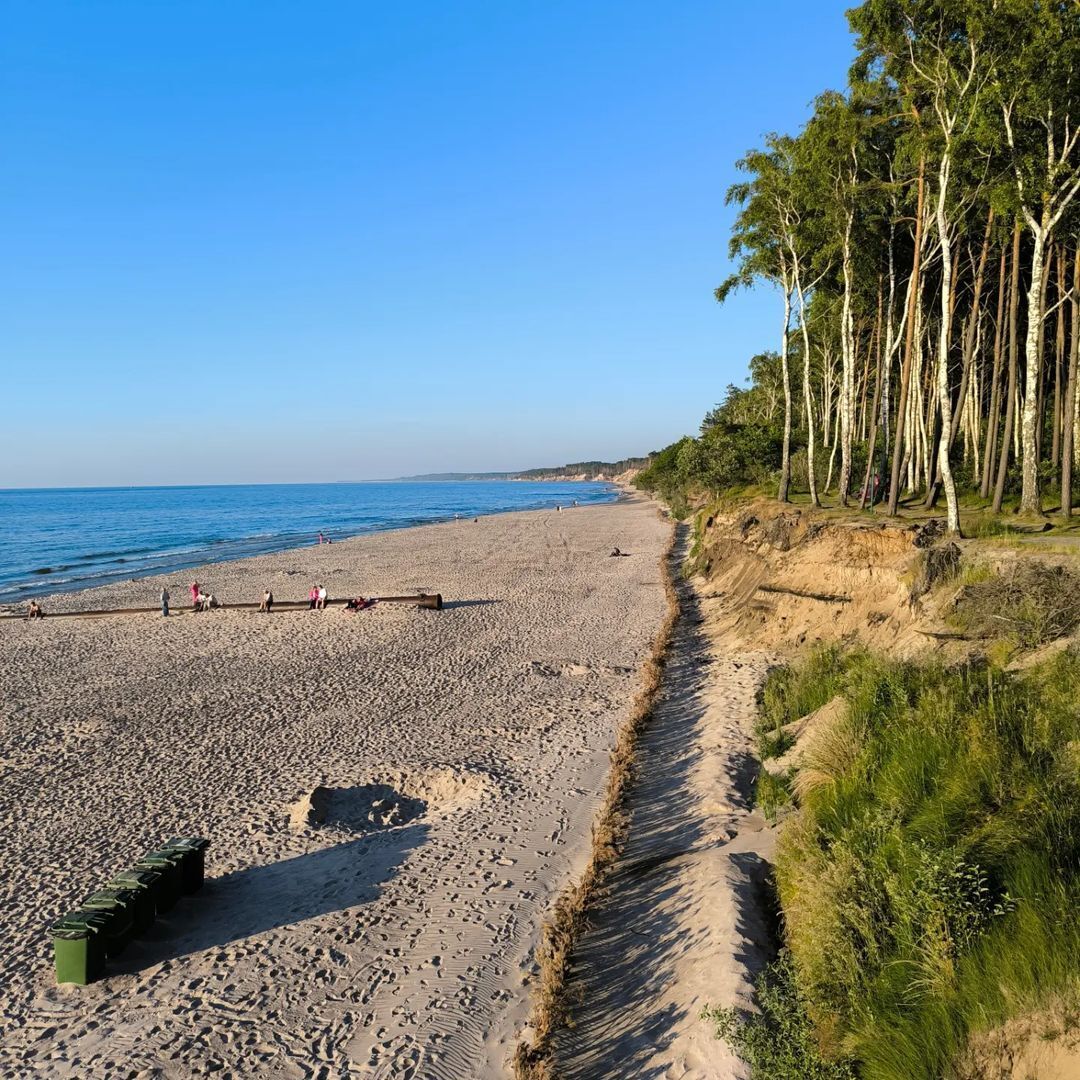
(249,902)
(640,928)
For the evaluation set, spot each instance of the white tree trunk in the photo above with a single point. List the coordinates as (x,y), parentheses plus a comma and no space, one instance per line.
(808,396)
(1030,501)
(847,373)
(785,467)
(944,334)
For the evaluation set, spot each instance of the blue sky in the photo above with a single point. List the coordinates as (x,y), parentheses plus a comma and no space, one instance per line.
(273,241)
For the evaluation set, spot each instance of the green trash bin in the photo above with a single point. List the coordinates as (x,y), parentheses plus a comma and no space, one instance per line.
(169,864)
(117,904)
(146,885)
(79,946)
(127,900)
(193,868)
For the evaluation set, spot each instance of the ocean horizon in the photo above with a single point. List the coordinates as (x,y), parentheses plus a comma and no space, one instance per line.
(66,539)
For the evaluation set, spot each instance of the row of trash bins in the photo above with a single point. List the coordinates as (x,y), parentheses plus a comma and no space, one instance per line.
(127,907)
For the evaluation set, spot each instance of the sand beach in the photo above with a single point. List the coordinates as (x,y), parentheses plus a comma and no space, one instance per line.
(460,756)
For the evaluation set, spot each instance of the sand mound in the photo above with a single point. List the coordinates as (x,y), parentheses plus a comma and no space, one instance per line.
(390,801)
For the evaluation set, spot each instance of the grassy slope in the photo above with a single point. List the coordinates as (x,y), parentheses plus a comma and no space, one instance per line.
(928,881)
(928,878)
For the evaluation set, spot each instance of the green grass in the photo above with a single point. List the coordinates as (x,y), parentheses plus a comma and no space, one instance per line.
(780,1043)
(928,881)
(772,792)
(792,693)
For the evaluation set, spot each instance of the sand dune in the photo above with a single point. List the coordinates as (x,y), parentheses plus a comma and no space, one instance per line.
(393,798)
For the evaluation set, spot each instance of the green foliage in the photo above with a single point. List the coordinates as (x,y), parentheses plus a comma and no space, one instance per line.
(733,450)
(778,1043)
(772,792)
(928,882)
(790,693)
(588,469)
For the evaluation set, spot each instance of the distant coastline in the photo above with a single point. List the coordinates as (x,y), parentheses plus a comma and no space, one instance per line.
(604,472)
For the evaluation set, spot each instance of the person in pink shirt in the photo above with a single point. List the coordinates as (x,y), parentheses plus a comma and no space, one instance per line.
(195,590)
(313,596)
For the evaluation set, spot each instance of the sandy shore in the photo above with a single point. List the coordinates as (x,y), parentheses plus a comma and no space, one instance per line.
(465,749)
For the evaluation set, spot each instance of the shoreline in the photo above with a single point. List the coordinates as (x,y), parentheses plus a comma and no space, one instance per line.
(390,950)
(206,568)
(20,592)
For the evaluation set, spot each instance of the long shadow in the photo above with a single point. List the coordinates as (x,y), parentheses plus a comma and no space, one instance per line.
(249,902)
(448,604)
(636,930)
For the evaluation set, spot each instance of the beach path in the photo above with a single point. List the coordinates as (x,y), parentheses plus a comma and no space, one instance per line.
(678,925)
(394,797)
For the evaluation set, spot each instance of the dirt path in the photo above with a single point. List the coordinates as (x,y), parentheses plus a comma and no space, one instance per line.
(680,924)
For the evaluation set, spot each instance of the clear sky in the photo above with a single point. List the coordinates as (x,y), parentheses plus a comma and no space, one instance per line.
(265,241)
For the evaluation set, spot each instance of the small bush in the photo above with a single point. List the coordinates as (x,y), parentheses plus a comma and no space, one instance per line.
(778,1043)
(935,566)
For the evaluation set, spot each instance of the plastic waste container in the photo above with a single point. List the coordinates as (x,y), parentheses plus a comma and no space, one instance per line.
(120,899)
(169,864)
(193,868)
(117,905)
(79,946)
(145,884)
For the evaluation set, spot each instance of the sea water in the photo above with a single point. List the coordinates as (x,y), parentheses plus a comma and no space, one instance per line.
(61,539)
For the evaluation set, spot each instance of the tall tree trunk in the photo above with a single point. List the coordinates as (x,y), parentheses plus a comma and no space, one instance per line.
(995,385)
(886,368)
(847,369)
(944,335)
(1030,499)
(1068,435)
(785,467)
(909,342)
(869,488)
(1014,360)
(808,395)
(969,336)
(1059,357)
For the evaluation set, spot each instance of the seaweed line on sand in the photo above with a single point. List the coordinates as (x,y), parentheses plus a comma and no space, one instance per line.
(551,1010)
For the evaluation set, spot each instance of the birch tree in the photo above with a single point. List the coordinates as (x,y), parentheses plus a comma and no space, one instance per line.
(1037,79)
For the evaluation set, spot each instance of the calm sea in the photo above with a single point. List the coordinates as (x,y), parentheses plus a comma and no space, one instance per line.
(56,540)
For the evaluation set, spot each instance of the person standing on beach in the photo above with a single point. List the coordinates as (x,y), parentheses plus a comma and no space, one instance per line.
(165,600)
(195,590)
(322,598)
(267,602)
(313,597)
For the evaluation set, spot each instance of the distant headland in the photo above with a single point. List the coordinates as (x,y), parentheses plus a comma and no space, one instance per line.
(580,470)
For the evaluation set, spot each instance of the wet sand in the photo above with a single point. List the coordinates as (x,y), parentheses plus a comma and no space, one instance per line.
(463,751)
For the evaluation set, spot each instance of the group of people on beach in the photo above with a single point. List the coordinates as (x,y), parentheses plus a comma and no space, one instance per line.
(201,601)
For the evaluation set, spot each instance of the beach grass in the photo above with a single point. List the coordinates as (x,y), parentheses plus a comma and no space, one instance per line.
(928,880)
